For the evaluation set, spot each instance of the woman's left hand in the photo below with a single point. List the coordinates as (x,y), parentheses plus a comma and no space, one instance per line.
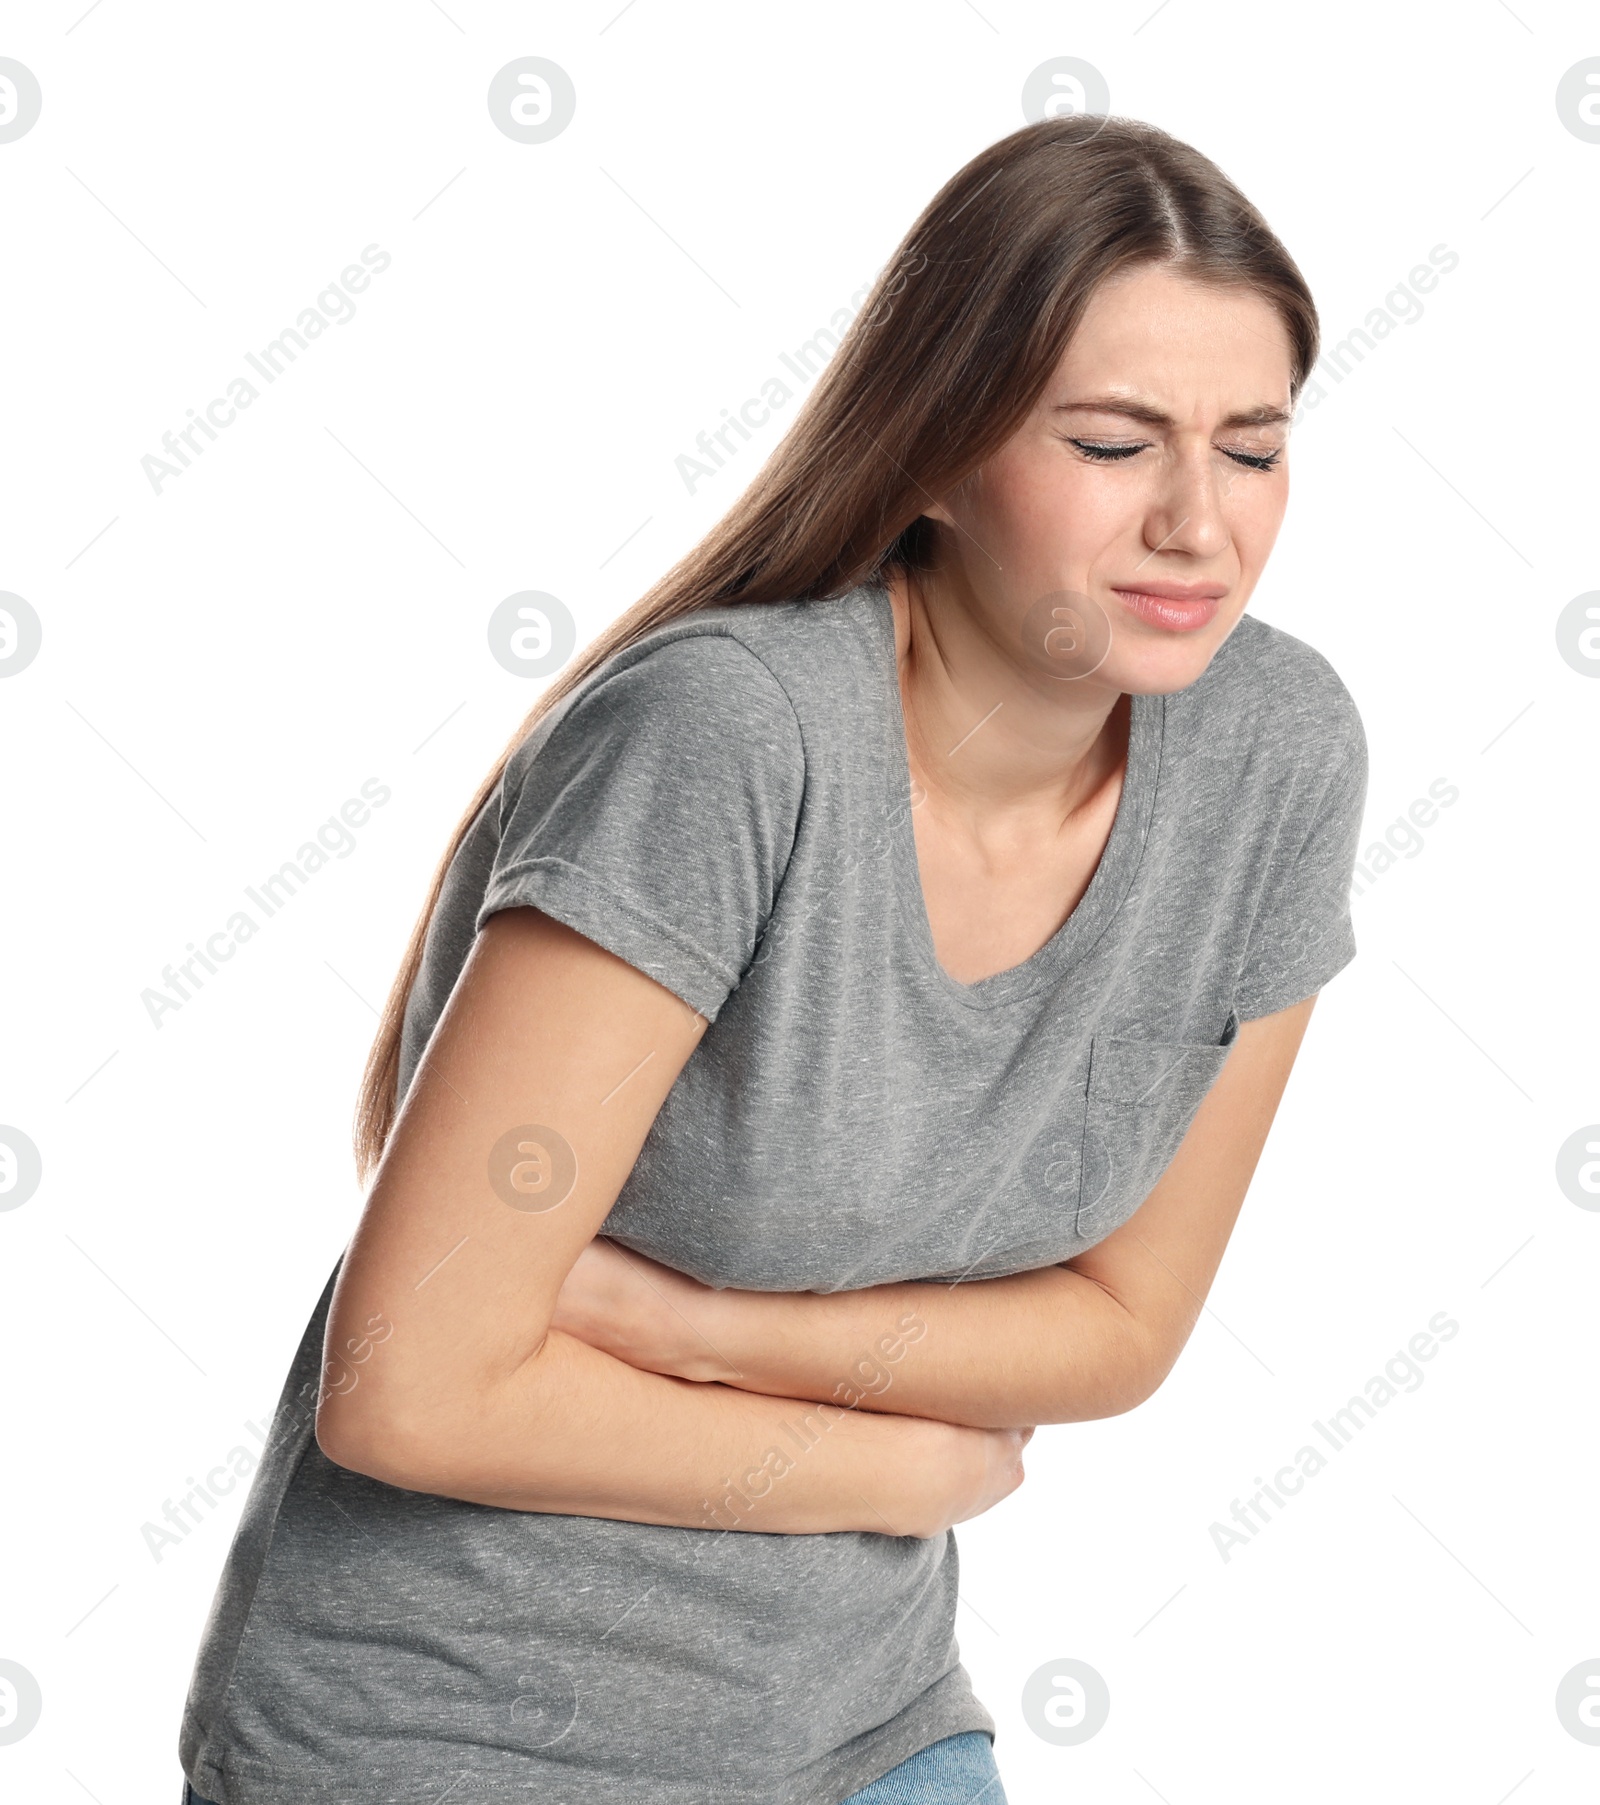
(640,1311)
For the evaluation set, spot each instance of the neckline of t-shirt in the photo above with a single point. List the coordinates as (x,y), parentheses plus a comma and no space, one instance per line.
(1113,876)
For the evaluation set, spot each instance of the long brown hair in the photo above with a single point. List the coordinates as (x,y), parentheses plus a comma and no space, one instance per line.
(961,331)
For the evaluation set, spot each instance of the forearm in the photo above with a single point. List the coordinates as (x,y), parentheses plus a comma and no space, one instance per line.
(1048,1346)
(577,1432)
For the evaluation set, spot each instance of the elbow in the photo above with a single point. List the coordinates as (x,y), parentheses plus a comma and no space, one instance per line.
(1114,1394)
(388,1443)
(419,1435)
(1131,1397)
(1141,1356)
(1128,1377)
(1144,1378)
(355,1439)
(1117,1397)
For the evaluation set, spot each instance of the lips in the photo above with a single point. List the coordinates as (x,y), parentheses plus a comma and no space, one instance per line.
(1174,607)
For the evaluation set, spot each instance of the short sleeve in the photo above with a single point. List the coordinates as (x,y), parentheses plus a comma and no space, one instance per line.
(1302,934)
(656,812)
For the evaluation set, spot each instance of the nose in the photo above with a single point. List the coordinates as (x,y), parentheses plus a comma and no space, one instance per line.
(1187,512)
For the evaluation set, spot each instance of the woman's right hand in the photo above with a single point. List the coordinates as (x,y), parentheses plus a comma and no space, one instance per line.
(958,1472)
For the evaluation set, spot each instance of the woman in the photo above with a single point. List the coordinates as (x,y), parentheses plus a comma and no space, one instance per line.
(839,1039)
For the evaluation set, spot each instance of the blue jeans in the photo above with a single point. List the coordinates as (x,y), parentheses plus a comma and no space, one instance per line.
(960,1770)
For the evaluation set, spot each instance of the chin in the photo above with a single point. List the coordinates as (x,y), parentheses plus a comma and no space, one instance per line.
(1159,670)
(1149,661)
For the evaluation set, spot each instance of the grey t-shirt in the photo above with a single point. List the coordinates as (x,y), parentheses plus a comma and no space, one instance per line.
(726,805)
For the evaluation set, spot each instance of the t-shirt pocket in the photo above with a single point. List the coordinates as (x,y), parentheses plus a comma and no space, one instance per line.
(1142,1096)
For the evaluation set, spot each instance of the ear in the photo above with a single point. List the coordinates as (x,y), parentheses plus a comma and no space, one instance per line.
(966,490)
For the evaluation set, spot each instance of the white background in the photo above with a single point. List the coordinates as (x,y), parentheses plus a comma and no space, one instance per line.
(225,662)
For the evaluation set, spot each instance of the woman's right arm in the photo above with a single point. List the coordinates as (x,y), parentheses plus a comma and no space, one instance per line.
(469,1230)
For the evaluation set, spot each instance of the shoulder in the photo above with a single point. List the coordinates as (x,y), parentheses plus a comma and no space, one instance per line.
(698,663)
(792,676)
(1282,698)
(691,692)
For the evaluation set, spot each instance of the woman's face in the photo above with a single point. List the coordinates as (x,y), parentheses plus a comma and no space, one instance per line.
(1117,535)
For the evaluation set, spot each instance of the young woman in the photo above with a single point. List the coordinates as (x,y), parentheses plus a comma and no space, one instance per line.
(838,1040)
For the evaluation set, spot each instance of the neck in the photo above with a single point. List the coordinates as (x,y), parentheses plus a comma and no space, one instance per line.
(987,736)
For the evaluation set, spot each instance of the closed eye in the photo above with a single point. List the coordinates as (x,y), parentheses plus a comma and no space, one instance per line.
(1255,460)
(1113,454)
(1105,454)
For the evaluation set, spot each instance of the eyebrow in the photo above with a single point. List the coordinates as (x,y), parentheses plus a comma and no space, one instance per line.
(1264,413)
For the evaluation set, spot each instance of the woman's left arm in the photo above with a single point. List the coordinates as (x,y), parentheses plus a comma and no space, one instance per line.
(1090,1338)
